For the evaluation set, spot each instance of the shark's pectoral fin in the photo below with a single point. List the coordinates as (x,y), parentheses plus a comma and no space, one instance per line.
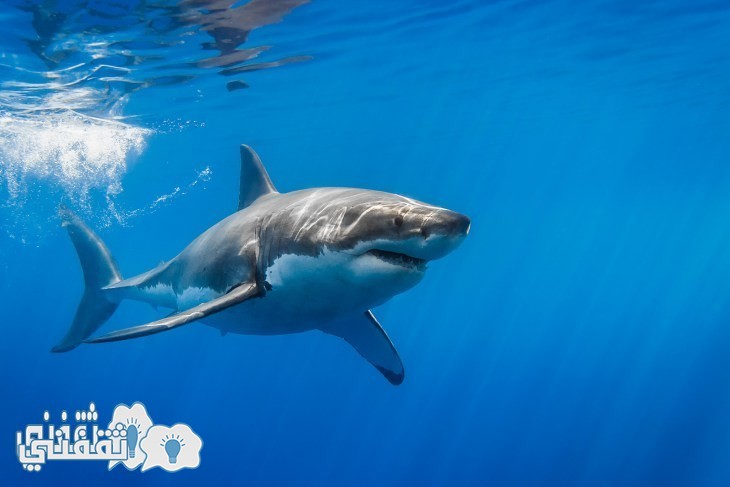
(366,336)
(234,296)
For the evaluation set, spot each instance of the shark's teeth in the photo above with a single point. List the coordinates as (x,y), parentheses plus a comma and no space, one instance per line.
(401,260)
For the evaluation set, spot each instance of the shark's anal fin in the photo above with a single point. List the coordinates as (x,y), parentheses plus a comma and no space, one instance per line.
(255,181)
(234,296)
(366,336)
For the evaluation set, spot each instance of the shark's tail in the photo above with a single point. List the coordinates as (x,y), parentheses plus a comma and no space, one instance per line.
(100,270)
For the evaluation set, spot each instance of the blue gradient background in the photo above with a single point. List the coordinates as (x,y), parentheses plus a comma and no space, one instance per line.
(579,337)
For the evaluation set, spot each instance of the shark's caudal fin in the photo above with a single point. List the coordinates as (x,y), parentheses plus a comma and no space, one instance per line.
(99,270)
(255,181)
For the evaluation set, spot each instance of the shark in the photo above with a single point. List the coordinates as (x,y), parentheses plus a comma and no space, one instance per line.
(312,259)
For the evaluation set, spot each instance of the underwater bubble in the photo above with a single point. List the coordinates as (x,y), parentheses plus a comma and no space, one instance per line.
(74,152)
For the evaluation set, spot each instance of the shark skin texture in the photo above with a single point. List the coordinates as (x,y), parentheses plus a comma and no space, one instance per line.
(313,259)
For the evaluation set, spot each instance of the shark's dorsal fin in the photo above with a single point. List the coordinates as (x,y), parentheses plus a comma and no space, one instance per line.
(255,181)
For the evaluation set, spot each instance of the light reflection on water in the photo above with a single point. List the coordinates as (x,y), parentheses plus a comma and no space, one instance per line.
(71,71)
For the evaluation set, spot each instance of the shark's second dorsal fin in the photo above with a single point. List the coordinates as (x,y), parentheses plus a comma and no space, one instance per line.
(255,181)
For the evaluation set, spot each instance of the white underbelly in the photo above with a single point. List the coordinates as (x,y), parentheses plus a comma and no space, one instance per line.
(306,293)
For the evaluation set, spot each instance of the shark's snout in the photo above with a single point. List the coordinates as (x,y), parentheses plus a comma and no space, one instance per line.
(441,233)
(423,236)
(446,223)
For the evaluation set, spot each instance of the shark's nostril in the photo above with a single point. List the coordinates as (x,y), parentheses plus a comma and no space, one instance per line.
(425,232)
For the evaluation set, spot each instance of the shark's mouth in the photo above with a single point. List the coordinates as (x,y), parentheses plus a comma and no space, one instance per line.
(398,259)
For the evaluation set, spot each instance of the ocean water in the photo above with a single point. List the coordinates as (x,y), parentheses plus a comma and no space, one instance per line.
(580,336)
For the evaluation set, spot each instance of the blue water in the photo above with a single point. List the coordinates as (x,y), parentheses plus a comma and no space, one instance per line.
(580,336)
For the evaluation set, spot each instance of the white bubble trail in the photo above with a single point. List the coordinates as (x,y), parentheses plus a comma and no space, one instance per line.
(77,152)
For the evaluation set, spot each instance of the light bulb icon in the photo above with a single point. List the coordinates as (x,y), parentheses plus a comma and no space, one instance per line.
(172,447)
(132,436)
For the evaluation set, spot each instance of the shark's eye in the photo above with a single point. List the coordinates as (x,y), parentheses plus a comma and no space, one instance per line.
(398,221)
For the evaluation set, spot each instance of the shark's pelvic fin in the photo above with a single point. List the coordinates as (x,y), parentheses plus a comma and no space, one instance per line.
(255,181)
(235,296)
(100,270)
(366,336)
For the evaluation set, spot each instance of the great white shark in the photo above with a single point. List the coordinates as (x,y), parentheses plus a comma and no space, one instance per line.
(314,259)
